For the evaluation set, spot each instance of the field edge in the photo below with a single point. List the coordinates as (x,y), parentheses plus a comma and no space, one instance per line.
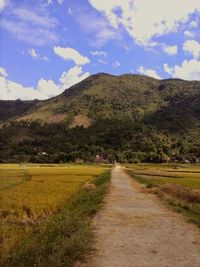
(67,237)
(190,211)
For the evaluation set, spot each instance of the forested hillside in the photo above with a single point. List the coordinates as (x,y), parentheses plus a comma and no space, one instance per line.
(14,108)
(125,118)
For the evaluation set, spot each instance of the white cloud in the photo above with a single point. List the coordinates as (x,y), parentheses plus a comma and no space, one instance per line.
(36,36)
(68,53)
(10,90)
(116,64)
(32,53)
(168,69)
(189,34)
(96,26)
(3,4)
(144,19)
(3,72)
(148,72)
(45,89)
(42,20)
(192,47)
(102,61)
(171,50)
(35,55)
(188,70)
(45,58)
(98,53)
(72,76)
(193,24)
(33,27)
(51,2)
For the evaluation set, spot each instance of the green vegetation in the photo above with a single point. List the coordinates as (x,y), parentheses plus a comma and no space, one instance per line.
(128,118)
(179,186)
(11,108)
(42,200)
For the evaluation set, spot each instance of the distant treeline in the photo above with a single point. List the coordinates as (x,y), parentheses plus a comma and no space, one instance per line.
(111,140)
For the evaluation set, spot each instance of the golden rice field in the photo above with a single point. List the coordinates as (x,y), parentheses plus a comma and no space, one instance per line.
(187,175)
(30,194)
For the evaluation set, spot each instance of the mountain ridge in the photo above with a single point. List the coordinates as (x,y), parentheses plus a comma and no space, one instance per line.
(151,119)
(77,88)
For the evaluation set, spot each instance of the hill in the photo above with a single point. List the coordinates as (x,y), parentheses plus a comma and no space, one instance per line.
(13,108)
(127,117)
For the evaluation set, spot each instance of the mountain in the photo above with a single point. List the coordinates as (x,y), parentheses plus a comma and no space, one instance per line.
(14,108)
(127,117)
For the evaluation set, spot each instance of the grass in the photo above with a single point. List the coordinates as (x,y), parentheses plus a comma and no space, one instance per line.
(180,187)
(30,195)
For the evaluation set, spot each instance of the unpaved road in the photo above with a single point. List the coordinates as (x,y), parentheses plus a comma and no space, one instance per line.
(135,229)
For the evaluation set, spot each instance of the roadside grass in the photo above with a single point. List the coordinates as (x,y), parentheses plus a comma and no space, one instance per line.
(66,237)
(181,190)
(31,194)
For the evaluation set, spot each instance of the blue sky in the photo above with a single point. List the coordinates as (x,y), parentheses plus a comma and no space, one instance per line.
(48,45)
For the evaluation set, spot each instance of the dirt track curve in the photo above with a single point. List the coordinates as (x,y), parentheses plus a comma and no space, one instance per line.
(134,229)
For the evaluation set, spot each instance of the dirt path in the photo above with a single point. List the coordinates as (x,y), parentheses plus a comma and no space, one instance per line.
(135,229)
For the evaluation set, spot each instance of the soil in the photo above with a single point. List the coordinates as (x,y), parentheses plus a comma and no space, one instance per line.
(135,229)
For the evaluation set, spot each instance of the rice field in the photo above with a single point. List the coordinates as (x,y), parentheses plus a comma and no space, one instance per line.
(187,175)
(30,194)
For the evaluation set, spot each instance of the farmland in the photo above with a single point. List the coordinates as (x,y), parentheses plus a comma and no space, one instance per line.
(158,174)
(178,185)
(31,194)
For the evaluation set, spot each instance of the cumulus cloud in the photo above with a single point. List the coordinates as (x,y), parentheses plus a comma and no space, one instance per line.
(148,72)
(73,76)
(188,70)
(45,89)
(10,90)
(171,50)
(68,53)
(98,53)
(144,19)
(192,47)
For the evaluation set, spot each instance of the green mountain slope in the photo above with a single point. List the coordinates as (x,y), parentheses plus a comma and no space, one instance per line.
(14,108)
(127,117)
(101,96)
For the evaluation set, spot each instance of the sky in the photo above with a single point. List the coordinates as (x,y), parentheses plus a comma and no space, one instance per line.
(46,46)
